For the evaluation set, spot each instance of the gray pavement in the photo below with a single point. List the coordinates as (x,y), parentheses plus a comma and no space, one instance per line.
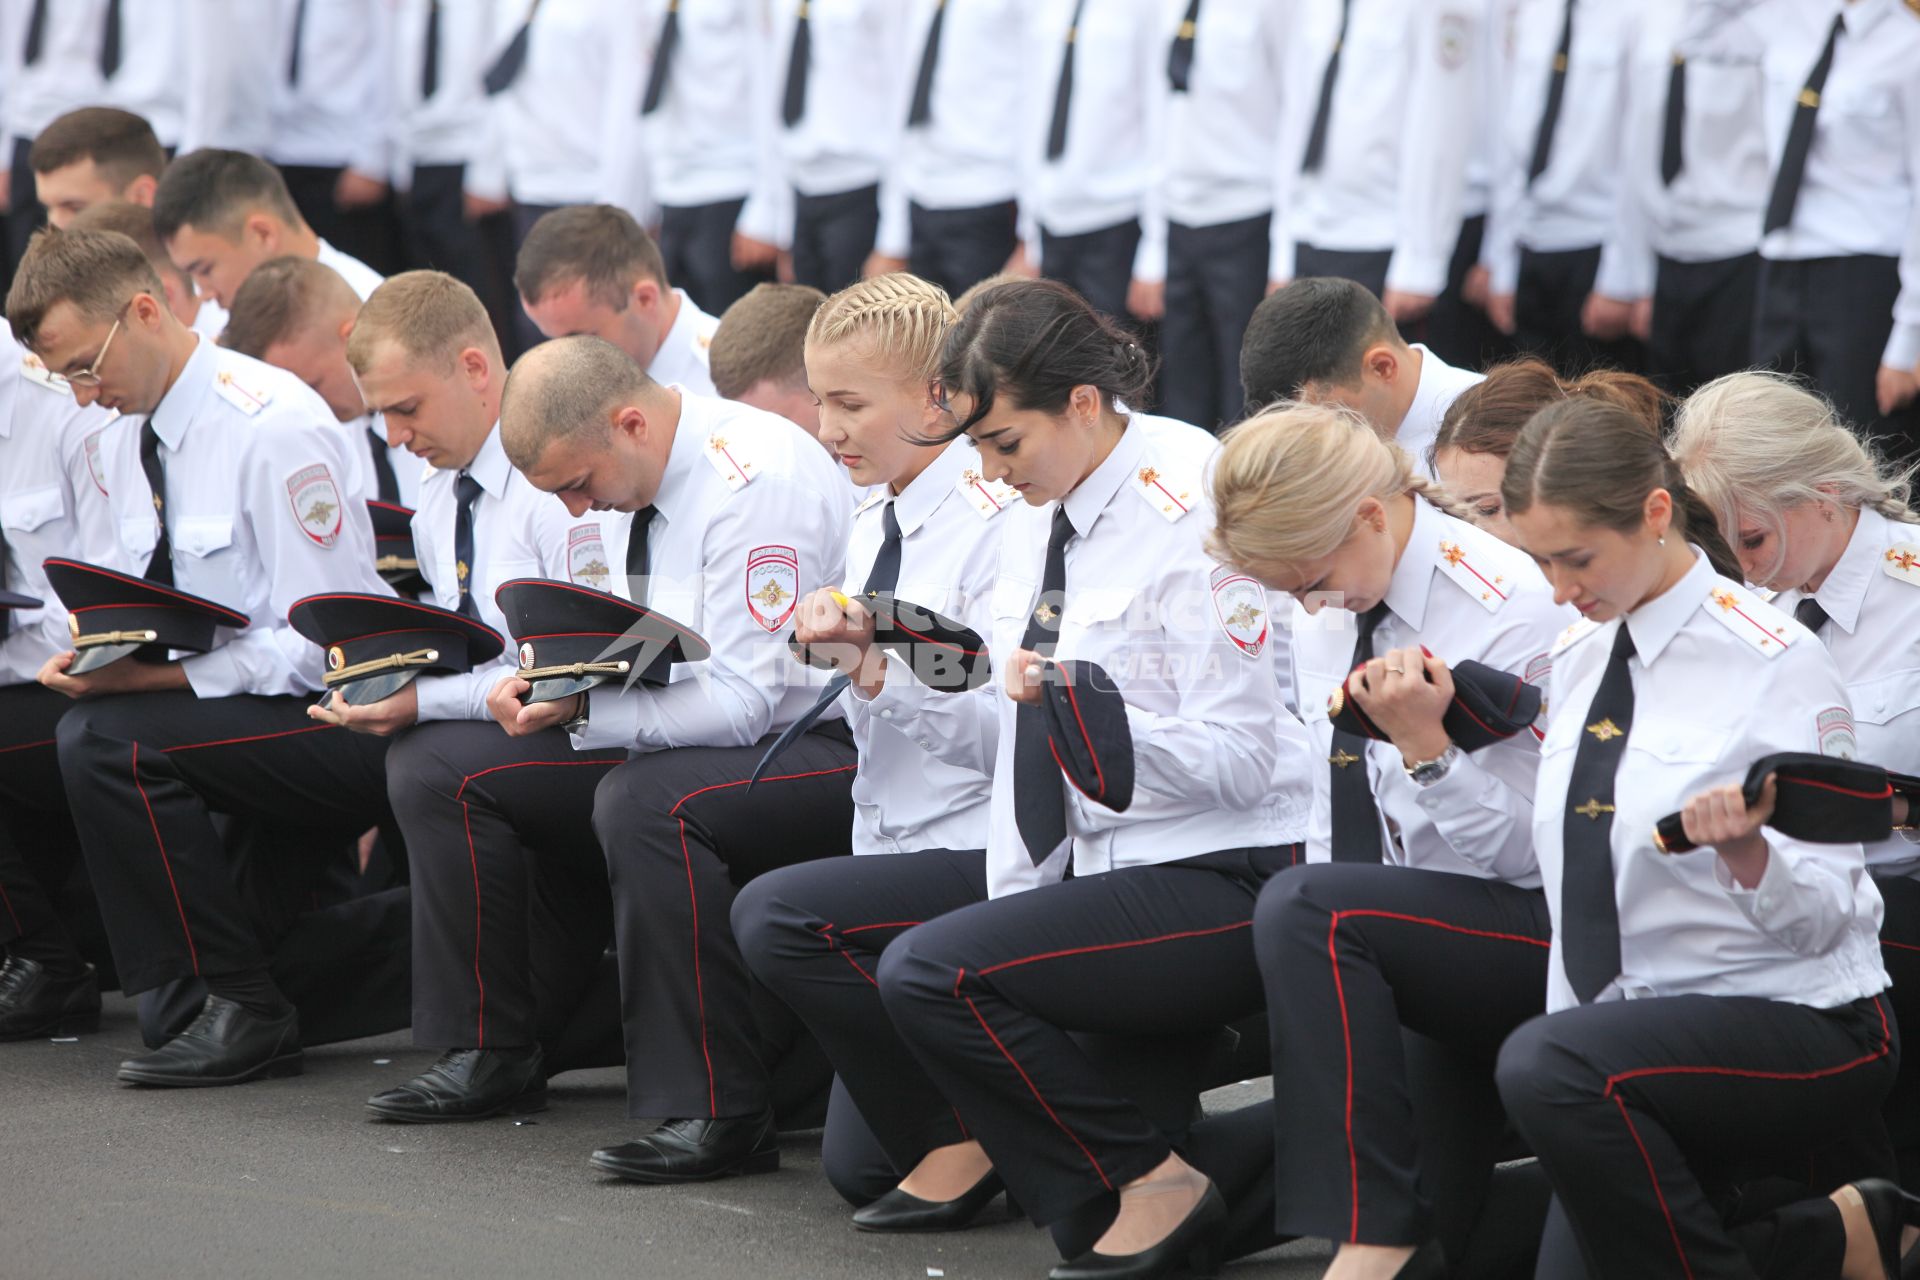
(288,1179)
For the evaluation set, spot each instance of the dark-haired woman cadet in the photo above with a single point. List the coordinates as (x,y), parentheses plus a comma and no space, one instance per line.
(1430,914)
(1150,937)
(1817,516)
(1707,1007)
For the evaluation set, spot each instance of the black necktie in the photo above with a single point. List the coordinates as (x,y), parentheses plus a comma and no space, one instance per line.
(1039,791)
(793,105)
(110,36)
(430,57)
(662,60)
(1589,921)
(1063,89)
(36,32)
(466,489)
(299,33)
(1356,818)
(885,574)
(507,67)
(1323,110)
(1670,153)
(1180,54)
(637,555)
(1793,160)
(1556,91)
(921,112)
(1809,614)
(160,566)
(386,484)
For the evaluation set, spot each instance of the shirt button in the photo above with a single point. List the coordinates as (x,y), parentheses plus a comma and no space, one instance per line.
(1766,902)
(925,745)
(887,714)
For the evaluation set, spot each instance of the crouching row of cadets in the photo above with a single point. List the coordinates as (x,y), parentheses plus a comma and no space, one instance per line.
(1220,801)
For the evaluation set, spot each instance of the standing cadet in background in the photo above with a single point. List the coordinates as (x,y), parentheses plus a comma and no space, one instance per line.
(190,307)
(93,155)
(838,67)
(1561,280)
(1216,164)
(591,269)
(759,352)
(1094,75)
(690,127)
(223,213)
(948,205)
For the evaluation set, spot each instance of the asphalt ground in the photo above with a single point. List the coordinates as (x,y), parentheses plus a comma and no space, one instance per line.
(288,1178)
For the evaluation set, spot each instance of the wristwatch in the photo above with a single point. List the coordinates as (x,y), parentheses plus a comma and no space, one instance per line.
(579,722)
(1424,773)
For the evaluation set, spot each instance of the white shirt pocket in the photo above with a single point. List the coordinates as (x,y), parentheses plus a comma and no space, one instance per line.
(25,510)
(210,568)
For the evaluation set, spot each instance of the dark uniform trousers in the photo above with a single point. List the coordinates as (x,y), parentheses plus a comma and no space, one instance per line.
(1827,319)
(832,236)
(1900,952)
(1631,1105)
(958,248)
(38,849)
(1216,276)
(438,235)
(1098,265)
(1547,302)
(696,244)
(1702,320)
(147,774)
(366,233)
(509,889)
(522,216)
(1353,957)
(1457,330)
(1366,267)
(25,214)
(681,834)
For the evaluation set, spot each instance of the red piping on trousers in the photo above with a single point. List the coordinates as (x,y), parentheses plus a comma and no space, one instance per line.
(25,746)
(1033,1089)
(258,737)
(1346,1030)
(827,932)
(193,952)
(1899,946)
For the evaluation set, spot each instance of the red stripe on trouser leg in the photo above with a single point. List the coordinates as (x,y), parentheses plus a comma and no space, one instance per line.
(193,952)
(258,737)
(1034,1089)
(473,860)
(1673,1232)
(25,746)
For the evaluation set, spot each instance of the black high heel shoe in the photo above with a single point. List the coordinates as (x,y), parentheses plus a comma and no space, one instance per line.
(901,1213)
(1890,1211)
(1191,1251)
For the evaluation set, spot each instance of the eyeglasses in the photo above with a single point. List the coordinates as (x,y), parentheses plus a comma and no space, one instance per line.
(90,376)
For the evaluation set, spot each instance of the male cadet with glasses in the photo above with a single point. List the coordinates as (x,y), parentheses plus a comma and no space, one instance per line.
(229,489)
(736,514)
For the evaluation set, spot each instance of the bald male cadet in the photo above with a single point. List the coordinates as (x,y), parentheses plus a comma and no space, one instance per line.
(591,269)
(189,306)
(759,352)
(94,155)
(295,314)
(223,213)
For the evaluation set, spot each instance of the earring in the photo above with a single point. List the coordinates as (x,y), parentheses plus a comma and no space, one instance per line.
(1663,540)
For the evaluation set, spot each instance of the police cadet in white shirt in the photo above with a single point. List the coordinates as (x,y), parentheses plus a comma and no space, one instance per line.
(230,489)
(223,213)
(1218,147)
(1329,340)
(52,502)
(1432,875)
(93,155)
(1704,1007)
(592,269)
(948,205)
(837,65)
(1695,165)
(693,112)
(1094,74)
(1561,282)
(1817,516)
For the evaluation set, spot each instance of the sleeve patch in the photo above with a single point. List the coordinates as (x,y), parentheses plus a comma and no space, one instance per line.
(315,501)
(587,556)
(1240,605)
(1834,728)
(773,586)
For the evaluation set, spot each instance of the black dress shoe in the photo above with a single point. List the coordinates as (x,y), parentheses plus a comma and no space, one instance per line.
(696,1150)
(1190,1252)
(468,1084)
(224,1045)
(36,1002)
(1890,1211)
(899,1211)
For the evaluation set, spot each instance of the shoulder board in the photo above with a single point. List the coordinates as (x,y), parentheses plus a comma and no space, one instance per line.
(247,397)
(731,458)
(877,495)
(1172,493)
(1763,627)
(988,497)
(703,336)
(37,373)
(1483,584)
(1572,636)
(1902,561)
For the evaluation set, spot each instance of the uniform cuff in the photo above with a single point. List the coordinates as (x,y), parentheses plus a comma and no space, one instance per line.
(1903,348)
(213,675)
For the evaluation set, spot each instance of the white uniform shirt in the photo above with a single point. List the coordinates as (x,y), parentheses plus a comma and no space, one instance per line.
(1109,173)
(518,532)
(237,61)
(860,49)
(209,320)
(907,795)
(547,123)
(360,277)
(1463,594)
(52,501)
(66,75)
(1218,762)
(1872,599)
(442,129)
(750,517)
(682,359)
(1440,385)
(1575,202)
(1393,175)
(258,510)
(155,64)
(340,111)
(1720,679)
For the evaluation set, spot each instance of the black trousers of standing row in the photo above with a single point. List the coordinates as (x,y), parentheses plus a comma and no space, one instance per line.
(1702,320)
(1216,276)
(369,233)
(696,245)
(437,234)
(1900,952)
(1098,265)
(39,850)
(958,248)
(1633,1106)
(832,236)
(25,214)
(1547,302)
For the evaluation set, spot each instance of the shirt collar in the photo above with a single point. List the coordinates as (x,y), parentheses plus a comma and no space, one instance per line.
(181,404)
(926,491)
(1844,590)
(689,435)
(679,335)
(1863,15)
(490,466)
(1413,577)
(1659,620)
(1091,496)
